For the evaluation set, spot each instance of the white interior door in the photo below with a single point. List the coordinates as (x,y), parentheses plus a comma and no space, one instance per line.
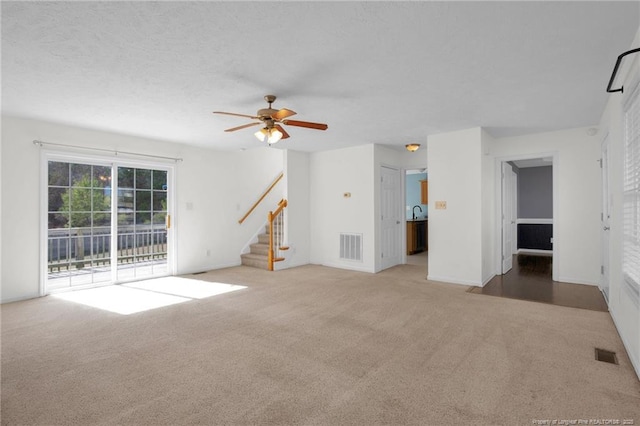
(508,216)
(391,217)
(605,217)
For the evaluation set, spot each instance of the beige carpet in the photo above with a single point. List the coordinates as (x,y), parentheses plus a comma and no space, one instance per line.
(314,345)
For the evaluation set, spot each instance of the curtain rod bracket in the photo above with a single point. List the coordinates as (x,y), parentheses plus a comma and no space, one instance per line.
(615,71)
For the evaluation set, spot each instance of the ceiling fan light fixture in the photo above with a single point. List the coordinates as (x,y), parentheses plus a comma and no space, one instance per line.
(274,136)
(261,134)
(412,147)
(270,135)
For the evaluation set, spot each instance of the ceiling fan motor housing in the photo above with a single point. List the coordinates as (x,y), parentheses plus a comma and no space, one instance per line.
(266,113)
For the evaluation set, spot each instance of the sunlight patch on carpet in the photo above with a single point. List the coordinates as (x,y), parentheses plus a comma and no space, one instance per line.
(131,298)
(185,287)
(121,300)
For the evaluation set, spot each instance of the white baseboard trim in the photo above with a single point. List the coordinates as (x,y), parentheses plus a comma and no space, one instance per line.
(527,221)
(348,267)
(576,281)
(535,251)
(20,298)
(205,268)
(486,281)
(450,280)
(634,362)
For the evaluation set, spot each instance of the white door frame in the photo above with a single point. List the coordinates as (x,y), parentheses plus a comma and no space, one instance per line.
(509,216)
(111,161)
(605,217)
(498,206)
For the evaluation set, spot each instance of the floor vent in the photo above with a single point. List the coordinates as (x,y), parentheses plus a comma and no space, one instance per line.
(351,247)
(606,356)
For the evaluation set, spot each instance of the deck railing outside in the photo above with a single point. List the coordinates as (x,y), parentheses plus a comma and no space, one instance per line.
(77,248)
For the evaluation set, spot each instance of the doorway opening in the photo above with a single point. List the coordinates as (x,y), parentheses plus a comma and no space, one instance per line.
(416,209)
(526,206)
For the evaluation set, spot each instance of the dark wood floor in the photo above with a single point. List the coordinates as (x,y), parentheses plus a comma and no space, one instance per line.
(530,279)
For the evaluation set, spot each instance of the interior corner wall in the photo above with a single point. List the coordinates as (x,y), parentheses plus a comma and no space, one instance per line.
(455,234)
(488,209)
(207,205)
(333,174)
(298,225)
(577,225)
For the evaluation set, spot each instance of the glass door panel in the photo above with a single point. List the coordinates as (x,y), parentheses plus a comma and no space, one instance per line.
(78,224)
(142,233)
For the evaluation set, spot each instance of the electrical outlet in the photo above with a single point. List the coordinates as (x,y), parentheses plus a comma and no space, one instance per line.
(208,252)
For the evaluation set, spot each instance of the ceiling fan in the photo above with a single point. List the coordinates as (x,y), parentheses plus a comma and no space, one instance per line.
(272,120)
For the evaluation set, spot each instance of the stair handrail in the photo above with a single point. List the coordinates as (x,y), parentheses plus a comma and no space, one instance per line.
(276,241)
(277,179)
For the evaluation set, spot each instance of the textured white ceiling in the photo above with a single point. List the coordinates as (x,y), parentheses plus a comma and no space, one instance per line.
(376,72)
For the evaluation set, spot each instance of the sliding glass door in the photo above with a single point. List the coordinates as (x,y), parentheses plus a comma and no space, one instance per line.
(141,224)
(106,223)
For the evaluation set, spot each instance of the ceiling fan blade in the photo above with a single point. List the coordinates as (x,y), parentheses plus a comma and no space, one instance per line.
(283,113)
(233,129)
(318,126)
(237,115)
(284,133)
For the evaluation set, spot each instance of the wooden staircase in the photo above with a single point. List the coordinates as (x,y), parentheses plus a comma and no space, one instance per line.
(258,256)
(270,245)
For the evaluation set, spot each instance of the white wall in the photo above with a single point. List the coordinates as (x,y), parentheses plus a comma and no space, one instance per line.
(219,186)
(455,234)
(298,226)
(625,311)
(332,173)
(577,225)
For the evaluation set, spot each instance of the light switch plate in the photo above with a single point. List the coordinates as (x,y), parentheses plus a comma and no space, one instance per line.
(441,205)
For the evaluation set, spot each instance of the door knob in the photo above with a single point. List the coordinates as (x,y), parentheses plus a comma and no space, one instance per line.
(606,228)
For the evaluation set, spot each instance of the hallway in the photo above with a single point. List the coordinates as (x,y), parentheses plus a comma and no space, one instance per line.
(530,279)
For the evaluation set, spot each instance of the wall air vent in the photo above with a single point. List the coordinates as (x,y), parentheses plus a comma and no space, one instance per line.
(351,247)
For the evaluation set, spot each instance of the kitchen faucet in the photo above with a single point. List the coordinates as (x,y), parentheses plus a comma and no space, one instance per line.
(414,211)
